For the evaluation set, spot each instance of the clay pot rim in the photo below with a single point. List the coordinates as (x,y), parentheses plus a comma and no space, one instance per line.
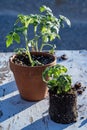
(37,53)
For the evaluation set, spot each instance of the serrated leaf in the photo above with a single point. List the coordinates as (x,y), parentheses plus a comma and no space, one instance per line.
(52,36)
(45,8)
(64,83)
(52,83)
(9,40)
(42,9)
(65,19)
(55,29)
(44,29)
(16,37)
(45,38)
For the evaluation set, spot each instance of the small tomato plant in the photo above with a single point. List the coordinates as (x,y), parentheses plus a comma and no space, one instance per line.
(57,79)
(46,28)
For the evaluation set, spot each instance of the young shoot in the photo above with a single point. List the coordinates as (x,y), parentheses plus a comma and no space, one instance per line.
(46,28)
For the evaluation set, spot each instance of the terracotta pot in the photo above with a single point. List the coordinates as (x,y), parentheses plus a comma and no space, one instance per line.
(29,79)
(63,107)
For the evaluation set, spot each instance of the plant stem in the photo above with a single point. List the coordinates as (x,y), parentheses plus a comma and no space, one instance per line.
(36,43)
(45,44)
(27,48)
(36,38)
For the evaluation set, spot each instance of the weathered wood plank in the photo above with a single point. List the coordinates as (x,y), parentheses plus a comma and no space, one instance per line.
(18,114)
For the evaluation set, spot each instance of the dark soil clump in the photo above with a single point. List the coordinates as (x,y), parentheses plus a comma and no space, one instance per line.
(77,85)
(22,59)
(79,88)
(64,57)
(63,107)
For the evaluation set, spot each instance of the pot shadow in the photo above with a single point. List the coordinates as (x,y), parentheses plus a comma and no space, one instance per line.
(45,123)
(10,101)
(13,106)
(83,123)
(7,88)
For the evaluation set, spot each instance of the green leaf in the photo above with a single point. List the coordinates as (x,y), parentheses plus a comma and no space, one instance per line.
(45,38)
(55,29)
(54,71)
(52,83)
(13,36)
(52,36)
(57,79)
(9,40)
(44,8)
(16,37)
(43,29)
(63,83)
(65,19)
(45,74)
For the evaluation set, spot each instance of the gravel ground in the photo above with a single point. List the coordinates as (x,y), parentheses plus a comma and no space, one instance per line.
(74,38)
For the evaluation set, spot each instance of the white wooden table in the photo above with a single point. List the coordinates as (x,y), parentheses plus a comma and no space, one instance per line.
(18,114)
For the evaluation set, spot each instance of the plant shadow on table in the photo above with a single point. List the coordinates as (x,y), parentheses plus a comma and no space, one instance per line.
(11,102)
(45,123)
(8,88)
(83,123)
